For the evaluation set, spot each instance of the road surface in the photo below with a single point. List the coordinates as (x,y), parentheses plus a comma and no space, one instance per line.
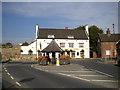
(22,75)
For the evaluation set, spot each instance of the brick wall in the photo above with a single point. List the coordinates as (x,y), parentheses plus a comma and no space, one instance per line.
(108,48)
(15,54)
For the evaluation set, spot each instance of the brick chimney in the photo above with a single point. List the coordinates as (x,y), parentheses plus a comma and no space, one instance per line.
(108,31)
(66,27)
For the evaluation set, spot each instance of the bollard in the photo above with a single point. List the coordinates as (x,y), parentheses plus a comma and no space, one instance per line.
(57,62)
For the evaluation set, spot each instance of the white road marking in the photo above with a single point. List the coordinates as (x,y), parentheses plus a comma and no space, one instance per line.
(64,74)
(105,80)
(74,77)
(82,66)
(6,70)
(93,80)
(8,73)
(84,69)
(76,71)
(11,77)
(103,73)
(93,75)
(18,84)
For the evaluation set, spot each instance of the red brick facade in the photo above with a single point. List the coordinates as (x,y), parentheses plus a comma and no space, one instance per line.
(108,49)
(107,44)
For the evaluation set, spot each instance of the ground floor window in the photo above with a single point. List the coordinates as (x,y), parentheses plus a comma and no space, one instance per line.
(30,52)
(39,53)
(108,52)
(82,53)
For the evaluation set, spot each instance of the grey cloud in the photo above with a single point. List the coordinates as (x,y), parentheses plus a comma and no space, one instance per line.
(104,13)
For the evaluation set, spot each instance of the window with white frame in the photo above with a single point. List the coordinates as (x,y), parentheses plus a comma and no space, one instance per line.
(71,45)
(108,52)
(62,45)
(81,45)
(51,36)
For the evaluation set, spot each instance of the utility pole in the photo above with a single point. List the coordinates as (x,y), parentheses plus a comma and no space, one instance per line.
(36,49)
(37,27)
(114,46)
(113,29)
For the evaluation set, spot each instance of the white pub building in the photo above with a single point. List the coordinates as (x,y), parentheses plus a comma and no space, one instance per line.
(55,42)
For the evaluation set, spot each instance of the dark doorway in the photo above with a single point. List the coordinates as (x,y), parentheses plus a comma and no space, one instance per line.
(53,58)
(91,54)
(53,54)
(48,54)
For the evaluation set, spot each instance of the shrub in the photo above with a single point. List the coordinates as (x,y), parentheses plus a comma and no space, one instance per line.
(42,58)
(64,57)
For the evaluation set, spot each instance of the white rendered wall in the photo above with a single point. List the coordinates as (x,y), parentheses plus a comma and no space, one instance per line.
(43,43)
(27,48)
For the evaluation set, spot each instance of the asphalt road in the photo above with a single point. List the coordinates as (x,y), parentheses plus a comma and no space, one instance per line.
(94,64)
(27,77)
(22,75)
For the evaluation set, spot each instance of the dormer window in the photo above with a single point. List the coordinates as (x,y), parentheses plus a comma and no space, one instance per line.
(70,36)
(51,36)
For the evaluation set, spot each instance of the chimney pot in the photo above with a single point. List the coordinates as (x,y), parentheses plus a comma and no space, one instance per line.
(66,27)
(108,31)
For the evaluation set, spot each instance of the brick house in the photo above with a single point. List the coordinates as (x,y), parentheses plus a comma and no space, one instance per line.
(107,44)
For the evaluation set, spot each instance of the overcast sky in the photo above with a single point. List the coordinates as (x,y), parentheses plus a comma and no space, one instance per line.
(19,19)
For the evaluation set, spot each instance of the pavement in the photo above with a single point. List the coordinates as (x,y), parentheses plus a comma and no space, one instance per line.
(82,73)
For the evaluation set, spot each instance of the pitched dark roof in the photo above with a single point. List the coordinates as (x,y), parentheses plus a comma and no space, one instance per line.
(62,33)
(52,47)
(109,38)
